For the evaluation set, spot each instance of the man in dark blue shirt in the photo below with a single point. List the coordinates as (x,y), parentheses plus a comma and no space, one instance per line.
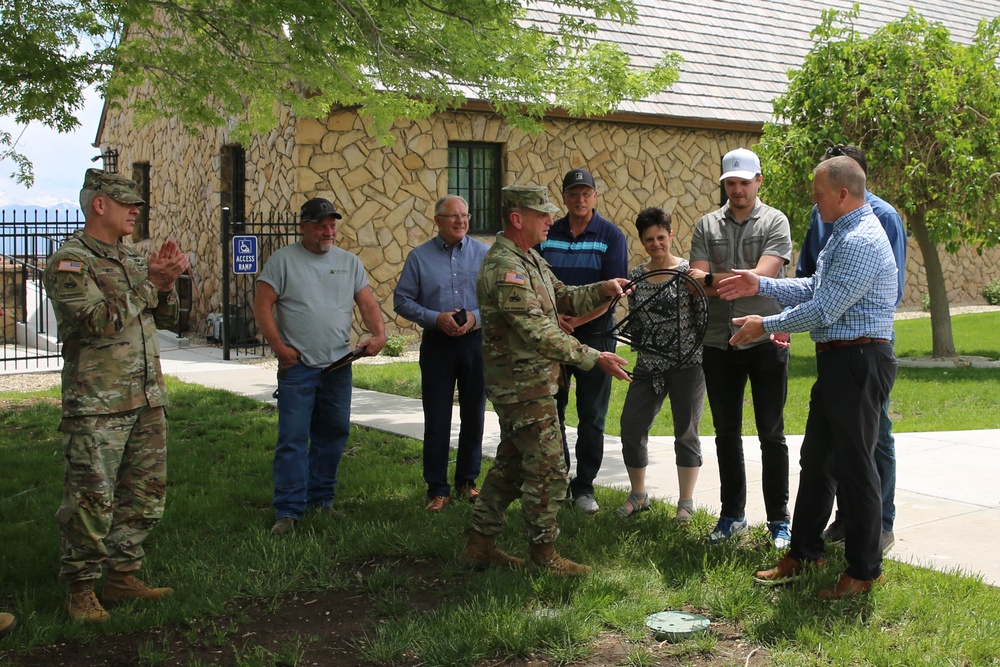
(584,248)
(816,238)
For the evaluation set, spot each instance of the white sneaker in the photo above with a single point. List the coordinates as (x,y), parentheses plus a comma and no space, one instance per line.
(586,503)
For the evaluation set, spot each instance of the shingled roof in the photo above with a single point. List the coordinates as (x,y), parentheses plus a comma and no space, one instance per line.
(737,55)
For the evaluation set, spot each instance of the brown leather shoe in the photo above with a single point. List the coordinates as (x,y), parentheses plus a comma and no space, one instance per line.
(437,503)
(847,587)
(82,603)
(122,586)
(481,552)
(786,571)
(467,492)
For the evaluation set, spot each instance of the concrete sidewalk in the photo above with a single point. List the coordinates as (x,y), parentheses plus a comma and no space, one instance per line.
(947,499)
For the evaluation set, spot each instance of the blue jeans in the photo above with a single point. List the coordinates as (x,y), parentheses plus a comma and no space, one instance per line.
(593,391)
(885,463)
(314,420)
(726,375)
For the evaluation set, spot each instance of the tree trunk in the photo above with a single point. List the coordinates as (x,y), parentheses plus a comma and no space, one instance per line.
(944,344)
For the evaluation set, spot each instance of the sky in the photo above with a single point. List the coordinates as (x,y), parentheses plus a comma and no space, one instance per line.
(59,159)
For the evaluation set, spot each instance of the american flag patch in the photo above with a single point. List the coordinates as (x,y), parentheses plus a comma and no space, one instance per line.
(514,278)
(69,265)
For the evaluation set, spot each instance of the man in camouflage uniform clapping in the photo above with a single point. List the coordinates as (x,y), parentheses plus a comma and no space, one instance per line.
(108,302)
(520,301)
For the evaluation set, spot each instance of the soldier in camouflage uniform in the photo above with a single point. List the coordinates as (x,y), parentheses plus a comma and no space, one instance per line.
(108,302)
(520,301)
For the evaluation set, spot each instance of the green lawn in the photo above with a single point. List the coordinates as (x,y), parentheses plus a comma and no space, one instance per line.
(924,399)
(398,565)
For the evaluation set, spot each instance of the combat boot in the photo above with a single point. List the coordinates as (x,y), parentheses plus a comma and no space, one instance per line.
(544,557)
(82,603)
(7,623)
(122,586)
(481,552)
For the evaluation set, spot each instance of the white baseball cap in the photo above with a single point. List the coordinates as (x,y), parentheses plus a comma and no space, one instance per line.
(740,163)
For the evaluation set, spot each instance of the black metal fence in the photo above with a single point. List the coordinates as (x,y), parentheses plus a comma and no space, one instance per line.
(235,327)
(27,240)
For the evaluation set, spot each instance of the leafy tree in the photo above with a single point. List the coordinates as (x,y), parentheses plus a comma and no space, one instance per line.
(214,62)
(926,112)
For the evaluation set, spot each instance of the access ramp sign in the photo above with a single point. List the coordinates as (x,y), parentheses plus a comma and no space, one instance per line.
(245,254)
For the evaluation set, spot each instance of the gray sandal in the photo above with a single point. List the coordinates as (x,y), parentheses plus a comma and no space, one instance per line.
(636,502)
(686,506)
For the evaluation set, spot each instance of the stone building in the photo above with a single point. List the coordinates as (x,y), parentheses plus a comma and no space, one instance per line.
(664,151)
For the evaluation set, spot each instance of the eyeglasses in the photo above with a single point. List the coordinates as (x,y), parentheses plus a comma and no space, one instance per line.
(835,151)
(578,194)
(454,216)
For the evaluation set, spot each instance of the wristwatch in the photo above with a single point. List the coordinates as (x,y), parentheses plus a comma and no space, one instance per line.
(708,279)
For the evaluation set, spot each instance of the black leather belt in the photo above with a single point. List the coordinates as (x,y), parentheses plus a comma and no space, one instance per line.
(837,344)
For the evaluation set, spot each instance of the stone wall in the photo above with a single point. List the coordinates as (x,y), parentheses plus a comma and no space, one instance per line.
(387,193)
(186,188)
(965,274)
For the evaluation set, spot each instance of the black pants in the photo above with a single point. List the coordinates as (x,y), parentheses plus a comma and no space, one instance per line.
(838,451)
(726,375)
(447,361)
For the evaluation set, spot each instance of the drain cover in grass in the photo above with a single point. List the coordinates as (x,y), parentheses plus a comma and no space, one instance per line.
(676,626)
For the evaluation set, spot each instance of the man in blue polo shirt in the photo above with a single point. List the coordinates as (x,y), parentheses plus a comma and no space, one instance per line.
(584,248)
(816,238)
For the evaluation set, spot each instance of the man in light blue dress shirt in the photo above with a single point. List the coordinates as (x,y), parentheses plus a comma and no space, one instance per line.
(437,290)
(848,308)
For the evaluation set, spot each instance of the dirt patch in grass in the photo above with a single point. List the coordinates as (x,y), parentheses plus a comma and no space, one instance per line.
(325,629)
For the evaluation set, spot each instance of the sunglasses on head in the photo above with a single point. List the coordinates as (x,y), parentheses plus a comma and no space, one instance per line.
(835,151)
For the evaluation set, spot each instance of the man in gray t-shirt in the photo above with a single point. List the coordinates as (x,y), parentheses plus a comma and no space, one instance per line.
(744,234)
(304,305)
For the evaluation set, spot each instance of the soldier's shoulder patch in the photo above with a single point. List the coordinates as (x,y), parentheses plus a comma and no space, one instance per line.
(512,299)
(513,278)
(69,265)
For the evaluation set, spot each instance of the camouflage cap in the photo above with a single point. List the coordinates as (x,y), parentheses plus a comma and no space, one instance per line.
(117,187)
(534,197)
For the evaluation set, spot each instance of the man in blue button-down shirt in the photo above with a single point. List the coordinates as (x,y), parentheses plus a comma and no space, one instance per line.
(437,290)
(816,238)
(847,307)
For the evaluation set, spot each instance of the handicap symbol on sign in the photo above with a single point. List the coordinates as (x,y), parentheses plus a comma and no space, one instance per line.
(245,247)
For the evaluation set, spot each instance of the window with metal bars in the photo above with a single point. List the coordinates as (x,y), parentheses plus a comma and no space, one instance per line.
(140,174)
(474,171)
(233,185)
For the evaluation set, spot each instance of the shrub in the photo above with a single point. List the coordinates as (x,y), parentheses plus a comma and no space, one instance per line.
(395,346)
(925,302)
(992,293)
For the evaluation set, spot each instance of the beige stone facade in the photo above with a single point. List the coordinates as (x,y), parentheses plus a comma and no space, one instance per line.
(387,193)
